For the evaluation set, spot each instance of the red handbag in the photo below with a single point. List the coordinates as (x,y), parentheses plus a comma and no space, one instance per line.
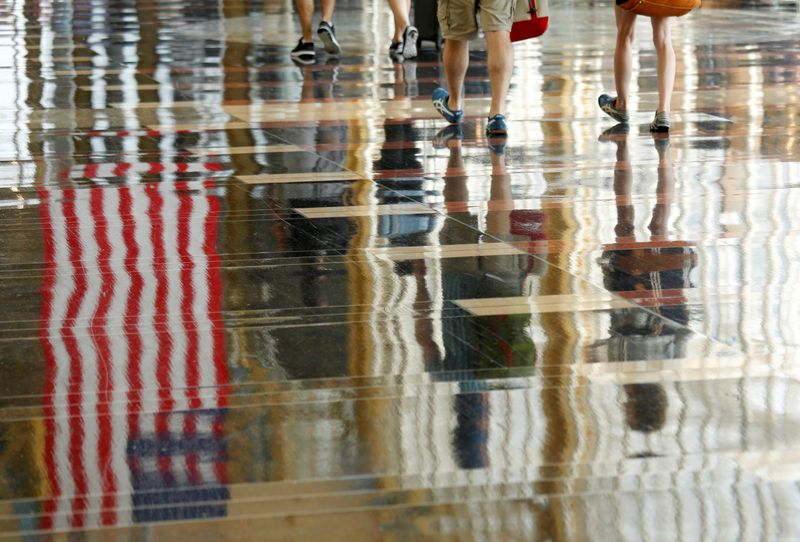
(530,19)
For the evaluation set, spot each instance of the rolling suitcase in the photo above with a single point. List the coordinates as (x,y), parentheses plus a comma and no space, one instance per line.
(427,23)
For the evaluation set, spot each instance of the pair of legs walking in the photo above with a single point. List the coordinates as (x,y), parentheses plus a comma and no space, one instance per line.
(304,51)
(500,63)
(617,107)
(404,40)
(459,24)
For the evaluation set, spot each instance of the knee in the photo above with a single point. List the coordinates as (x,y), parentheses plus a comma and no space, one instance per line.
(625,34)
(662,43)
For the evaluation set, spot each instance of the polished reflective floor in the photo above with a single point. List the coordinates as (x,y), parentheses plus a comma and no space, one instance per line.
(245,299)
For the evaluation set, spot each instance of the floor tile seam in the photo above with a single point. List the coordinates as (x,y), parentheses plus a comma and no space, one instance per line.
(573,385)
(562,200)
(334,256)
(366,317)
(500,489)
(161,322)
(219,261)
(276,323)
(576,379)
(224,218)
(695,460)
(380,508)
(292,214)
(399,380)
(177,218)
(283,259)
(212,152)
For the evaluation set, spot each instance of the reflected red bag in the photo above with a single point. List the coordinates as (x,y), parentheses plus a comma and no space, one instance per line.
(530,19)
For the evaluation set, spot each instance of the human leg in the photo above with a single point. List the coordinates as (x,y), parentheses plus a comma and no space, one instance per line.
(400,9)
(305,12)
(325,31)
(327,10)
(456,59)
(501,64)
(304,51)
(623,55)
(459,25)
(662,39)
(496,21)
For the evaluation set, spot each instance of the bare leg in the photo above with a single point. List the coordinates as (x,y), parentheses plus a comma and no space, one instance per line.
(498,220)
(665,191)
(623,55)
(327,10)
(455,176)
(501,63)
(305,10)
(400,9)
(456,60)
(623,185)
(662,39)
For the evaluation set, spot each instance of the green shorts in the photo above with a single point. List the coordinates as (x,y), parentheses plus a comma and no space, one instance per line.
(459,18)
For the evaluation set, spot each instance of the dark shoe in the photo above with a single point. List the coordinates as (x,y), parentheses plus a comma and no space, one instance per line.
(396,51)
(496,126)
(660,123)
(440,98)
(661,142)
(609,107)
(447,134)
(497,145)
(327,34)
(410,36)
(304,53)
(615,133)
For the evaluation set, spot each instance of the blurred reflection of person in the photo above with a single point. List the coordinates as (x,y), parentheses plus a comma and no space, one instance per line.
(479,348)
(654,274)
(295,235)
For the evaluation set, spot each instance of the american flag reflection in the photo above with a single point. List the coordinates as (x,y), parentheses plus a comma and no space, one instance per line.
(133,338)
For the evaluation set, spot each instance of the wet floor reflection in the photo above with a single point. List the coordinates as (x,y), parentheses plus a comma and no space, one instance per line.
(246,296)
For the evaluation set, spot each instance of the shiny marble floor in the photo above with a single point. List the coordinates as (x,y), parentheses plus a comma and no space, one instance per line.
(250,300)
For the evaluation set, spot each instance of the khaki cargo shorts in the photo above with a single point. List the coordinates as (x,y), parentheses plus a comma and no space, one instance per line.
(459,18)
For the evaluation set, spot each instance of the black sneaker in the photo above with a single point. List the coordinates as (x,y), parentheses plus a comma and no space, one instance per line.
(328,36)
(410,36)
(660,123)
(304,52)
(396,51)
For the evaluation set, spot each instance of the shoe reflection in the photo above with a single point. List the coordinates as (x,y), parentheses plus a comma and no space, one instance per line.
(652,273)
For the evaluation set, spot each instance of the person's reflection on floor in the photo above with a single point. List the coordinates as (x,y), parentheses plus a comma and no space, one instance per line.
(479,348)
(319,81)
(405,80)
(654,274)
(324,151)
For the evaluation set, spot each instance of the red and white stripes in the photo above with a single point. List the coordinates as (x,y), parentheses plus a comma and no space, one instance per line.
(132,335)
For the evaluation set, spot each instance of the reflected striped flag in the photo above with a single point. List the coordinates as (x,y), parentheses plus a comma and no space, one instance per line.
(132,334)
